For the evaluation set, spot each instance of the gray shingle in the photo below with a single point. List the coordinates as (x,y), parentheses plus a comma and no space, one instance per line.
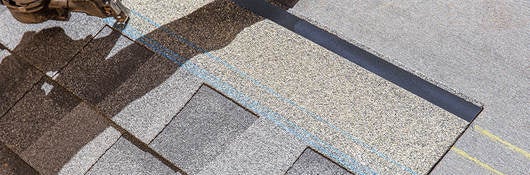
(146,116)
(311,162)
(263,148)
(338,102)
(361,110)
(202,130)
(125,158)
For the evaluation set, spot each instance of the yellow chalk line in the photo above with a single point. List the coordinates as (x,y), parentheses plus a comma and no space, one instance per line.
(498,139)
(478,162)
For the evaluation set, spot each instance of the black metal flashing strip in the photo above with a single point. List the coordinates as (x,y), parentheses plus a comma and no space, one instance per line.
(406,80)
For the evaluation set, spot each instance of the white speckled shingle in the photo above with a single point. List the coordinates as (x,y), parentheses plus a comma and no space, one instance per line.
(354,110)
(125,158)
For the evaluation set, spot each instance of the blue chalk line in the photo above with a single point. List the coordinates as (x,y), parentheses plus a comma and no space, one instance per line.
(334,153)
(271,91)
(133,33)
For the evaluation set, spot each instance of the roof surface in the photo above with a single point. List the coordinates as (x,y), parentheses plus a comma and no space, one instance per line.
(245,87)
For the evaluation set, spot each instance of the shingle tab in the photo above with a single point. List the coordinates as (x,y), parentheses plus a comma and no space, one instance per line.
(263,148)
(93,74)
(125,158)
(49,126)
(17,77)
(11,164)
(311,162)
(202,130)
(49,45)
(139,90)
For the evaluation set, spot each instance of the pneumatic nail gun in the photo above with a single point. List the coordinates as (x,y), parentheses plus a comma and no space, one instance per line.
(37,11)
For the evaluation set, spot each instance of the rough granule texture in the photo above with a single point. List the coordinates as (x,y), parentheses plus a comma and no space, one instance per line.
(125,158)
(264,148)
(49,126)
(479,49)
(11,164)
(202,130)
(17,77)
(370,108)
(311,162)
(49,45)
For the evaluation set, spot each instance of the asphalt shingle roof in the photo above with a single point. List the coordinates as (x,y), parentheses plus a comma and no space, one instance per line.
(209,87)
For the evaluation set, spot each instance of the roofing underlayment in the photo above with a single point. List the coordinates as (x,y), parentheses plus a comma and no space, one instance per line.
(253,87)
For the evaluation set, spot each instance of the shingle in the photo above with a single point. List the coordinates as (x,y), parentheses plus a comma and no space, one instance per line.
(311,162)
(263,148)
(49,49)
(453,163)
(49,45)
(93,76)
(11,164)
(2,10)
(65,139)
(125,158)
(137,89)
(475,146)
(167,11)
(202,130)
(339,102)
(90,152)
(17,77)
(210,27)
(45,105)
(49,126)
(151,111)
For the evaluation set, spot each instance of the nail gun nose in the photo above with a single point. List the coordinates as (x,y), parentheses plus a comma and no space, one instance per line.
(101,8)
(36,11)
(117,10)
